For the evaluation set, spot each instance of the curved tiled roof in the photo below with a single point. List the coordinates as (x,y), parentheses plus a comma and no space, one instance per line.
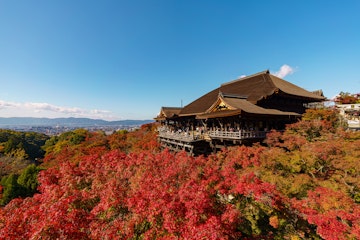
(168,112)
(249,107)
(238,105)
(253,88)
(292,89)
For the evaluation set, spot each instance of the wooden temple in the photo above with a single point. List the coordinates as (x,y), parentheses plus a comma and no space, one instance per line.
(238,112)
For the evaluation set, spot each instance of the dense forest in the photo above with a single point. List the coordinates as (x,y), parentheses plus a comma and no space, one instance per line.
(303,183)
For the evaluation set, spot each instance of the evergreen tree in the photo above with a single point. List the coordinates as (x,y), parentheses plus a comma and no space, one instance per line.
(28,180)
(11,188)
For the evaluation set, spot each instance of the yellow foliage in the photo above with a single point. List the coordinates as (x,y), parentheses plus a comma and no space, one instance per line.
(18,153)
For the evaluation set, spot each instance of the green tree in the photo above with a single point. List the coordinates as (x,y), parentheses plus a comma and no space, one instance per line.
(23,185)
(72,138)
(22,144)
(11,144)
(11,188)
(28,180)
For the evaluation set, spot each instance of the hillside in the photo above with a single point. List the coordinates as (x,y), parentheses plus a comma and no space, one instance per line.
(303,183)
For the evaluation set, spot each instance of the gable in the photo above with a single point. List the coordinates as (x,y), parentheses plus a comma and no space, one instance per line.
(219,105)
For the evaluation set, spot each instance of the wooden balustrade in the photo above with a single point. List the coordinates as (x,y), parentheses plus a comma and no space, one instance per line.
(196,135)
(237,134)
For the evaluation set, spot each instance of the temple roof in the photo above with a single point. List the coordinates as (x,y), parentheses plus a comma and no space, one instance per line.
(235,105)
(168,112)
(252,89)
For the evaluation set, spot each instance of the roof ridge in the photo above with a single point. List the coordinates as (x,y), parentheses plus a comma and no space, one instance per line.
(250,76)
(172,107)
(230,95)
(272,81)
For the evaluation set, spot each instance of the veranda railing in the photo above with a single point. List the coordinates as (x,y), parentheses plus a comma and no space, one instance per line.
(196,135)
(237,135)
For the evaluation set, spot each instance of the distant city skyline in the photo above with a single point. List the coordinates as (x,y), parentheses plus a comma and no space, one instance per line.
(117,60)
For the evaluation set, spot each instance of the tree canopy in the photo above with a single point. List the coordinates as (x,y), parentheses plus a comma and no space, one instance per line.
(302,183)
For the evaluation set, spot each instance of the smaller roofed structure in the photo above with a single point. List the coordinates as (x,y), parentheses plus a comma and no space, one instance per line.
(168,113)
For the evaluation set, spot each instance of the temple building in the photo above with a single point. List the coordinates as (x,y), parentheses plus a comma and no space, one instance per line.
(238,112)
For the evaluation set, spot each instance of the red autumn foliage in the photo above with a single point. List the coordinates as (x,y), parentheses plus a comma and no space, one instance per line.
(118,195)
(335,214)
(303,185)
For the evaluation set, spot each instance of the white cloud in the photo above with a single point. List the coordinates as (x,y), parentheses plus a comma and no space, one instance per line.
(97,111)
(53,108)
(284,71)
(4,104)
(33,109)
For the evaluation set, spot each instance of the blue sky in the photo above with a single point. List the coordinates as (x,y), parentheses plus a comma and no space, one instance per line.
(125,59)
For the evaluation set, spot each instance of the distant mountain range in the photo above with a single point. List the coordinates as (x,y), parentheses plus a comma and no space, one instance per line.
(81,122)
